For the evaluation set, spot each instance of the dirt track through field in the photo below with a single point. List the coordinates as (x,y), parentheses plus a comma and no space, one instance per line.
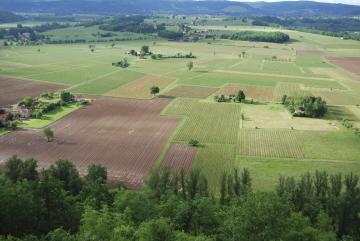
(126,136)
(13,89)
(179,156)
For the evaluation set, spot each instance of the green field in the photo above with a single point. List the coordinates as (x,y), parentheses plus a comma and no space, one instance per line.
(49,118)
(264,142)
(3,131)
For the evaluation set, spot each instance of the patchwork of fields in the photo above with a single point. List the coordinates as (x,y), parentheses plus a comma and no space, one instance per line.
(130,131)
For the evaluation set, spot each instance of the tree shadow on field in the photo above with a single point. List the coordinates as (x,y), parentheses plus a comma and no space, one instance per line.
(339,113)
(200,146)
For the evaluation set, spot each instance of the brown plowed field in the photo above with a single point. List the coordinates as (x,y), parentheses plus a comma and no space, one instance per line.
(126,136)
(351,64)
(179,156)
(13,89)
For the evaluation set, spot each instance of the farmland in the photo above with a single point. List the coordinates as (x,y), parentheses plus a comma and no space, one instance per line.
(13,89)
(178,157)
(115,127)
(129,130)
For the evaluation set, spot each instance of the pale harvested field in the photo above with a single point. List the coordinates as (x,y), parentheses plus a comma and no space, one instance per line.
(251,91)
(126,136)
(13,89)
(339,97)
(314,53)
(355,110)
(179,156)
(289,89)
(270,143)
(265,117)
(190,91)
(140,88)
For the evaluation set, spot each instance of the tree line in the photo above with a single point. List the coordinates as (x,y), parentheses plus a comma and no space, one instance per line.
(258,36)
(57,204)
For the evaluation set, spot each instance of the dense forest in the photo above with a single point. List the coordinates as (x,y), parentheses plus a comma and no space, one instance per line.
(8,17)
(218,7)
(57,204)
(338,27)
(134,24)
(258,36)
(21,32)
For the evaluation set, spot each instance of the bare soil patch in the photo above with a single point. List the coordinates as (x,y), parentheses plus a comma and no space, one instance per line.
(126,136)
(13,89)
(179,156)
(350,64)
(251,91)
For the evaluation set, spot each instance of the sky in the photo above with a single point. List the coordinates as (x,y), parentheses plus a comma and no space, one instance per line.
(354,2)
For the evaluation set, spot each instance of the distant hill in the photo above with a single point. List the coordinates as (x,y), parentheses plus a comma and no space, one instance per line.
(8,17)
(118,7)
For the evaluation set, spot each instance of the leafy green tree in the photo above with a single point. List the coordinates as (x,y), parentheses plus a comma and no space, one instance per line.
(246,181)
(27,101)
(57,208)
(156,230)
(49,134)
(65,171)
(262,216)
(223,189)
(139,205)
(190,65)
(96,172)
(16,169)
(104,224)
(96,194)
(154,90)
(192,183)
(66,96)
(124,63)
(13,168)
(196,216)
(60,234)
(145,49)
(193,142)
(240,97)
(18,204)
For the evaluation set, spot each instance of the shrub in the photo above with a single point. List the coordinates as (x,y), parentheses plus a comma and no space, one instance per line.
(66,96)
(37,114)
(193,142)
(122,63)
(27,101)
(49,134)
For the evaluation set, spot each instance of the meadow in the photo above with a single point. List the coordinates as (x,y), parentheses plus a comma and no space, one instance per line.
(268,141)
